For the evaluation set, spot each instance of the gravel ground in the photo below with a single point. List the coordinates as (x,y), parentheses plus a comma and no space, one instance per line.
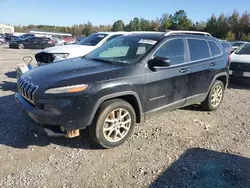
(182,148)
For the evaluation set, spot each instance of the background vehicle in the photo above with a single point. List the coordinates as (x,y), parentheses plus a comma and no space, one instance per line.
(24,36)
(76,50)
(124,82)
(58,41)
(32,43)
(8,37)
(240,62)
(227,46)
(2,39)
(236,45)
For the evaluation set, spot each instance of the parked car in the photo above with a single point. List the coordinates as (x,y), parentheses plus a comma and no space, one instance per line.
(2,39)
(236,45)
(227,46)
(24,36)
(80,49)
(240,62)
(59,41)
(8,37)
(32,43)
(124,82)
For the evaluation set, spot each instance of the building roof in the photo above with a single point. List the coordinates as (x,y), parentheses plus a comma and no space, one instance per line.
(39,31)
(6,25)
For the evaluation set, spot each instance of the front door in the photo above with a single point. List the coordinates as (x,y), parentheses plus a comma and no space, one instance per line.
(167,87)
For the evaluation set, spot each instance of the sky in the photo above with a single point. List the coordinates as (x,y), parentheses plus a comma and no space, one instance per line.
(70,12)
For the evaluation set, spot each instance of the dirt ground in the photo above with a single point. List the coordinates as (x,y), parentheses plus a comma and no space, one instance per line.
(183,148)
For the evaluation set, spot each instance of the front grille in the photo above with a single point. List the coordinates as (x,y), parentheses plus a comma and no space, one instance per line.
(27,89)
(44,57)
(245,67)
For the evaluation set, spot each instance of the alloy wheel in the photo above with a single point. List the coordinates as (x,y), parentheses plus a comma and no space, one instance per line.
(217,95)
(117,125)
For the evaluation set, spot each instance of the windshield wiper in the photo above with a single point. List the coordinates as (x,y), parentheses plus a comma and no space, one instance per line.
(101,60)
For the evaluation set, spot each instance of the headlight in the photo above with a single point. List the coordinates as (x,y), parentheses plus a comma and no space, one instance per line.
(67,89)
(63,55)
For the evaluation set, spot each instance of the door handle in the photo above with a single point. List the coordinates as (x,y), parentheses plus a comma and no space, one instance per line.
(184,70)
(212,64)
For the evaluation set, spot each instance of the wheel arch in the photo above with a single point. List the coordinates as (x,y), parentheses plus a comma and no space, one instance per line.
(129,96)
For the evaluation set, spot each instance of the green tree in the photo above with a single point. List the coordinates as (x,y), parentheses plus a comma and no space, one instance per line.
(245,37)
(166,22)
(118,26)
(230,36)
(134,25)
(88,29)
(180,21)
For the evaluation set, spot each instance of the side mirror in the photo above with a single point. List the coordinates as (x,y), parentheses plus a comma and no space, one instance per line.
(159,62)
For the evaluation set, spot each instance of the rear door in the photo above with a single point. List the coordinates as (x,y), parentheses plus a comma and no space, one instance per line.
(167,87)
(203,66)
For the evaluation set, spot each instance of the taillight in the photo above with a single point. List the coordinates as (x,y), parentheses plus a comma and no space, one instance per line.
(51,41)
(229,57)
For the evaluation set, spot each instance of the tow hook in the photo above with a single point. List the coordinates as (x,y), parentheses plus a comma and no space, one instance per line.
(73,133)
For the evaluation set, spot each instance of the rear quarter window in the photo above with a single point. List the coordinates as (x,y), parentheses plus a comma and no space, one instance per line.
(198,49)
(214,48)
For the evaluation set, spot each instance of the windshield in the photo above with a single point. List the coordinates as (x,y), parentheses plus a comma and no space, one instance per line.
(125,50)
(93,40)
(244,50)
(238,43)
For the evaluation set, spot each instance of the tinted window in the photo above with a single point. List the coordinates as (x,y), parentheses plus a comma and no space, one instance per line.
(174,50)
(92,40)
(198,49)
(112,37)
(244,50)
(31,39)
(214,48)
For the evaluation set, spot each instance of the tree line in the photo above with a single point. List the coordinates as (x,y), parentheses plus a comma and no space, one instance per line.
(234,26)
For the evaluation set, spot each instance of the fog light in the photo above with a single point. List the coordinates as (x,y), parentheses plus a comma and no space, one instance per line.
(51,108)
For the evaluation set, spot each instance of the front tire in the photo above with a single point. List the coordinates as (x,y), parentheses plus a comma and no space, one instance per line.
(21,46)
(114,123)
(215,97)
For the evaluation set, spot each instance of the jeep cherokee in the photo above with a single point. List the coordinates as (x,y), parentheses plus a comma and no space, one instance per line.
(125,82)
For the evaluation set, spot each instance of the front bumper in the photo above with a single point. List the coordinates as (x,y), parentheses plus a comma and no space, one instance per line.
(13,45)
(48,118)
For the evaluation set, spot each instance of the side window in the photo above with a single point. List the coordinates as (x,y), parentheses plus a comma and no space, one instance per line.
(112,37)
(198,49)
(214,48)
(31,39)
(174,50)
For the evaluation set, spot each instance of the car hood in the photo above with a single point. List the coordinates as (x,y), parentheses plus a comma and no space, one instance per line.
(73,50)
(240,58)
(72,72)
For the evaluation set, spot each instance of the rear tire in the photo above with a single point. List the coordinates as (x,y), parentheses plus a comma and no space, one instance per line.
(21,46)
(215,97)
(114,123)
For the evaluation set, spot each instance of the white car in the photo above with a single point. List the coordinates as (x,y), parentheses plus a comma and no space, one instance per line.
(240,62)
(236,45)
(82,48)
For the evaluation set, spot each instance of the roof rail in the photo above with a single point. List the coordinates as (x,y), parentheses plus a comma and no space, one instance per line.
(188,32)
(145,32)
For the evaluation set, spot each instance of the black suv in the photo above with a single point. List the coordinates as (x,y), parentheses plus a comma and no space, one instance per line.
(124,82)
